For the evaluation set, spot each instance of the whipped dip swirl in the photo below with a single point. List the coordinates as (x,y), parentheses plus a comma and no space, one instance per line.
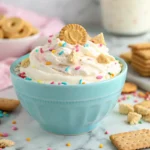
(50,63)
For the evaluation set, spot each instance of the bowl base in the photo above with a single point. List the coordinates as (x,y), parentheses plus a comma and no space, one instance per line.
(70,132)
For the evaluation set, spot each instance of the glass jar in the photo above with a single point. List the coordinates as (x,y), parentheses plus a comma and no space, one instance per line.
(125,17)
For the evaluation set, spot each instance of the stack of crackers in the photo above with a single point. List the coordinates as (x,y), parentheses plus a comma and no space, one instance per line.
(139,57)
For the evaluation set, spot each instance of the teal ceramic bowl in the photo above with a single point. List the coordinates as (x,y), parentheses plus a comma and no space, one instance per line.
(68,109)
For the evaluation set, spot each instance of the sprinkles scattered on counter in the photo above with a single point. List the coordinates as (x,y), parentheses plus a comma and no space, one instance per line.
(99,77)
(67,68)
(61,52)
(14,122)
(14,128)
(28,139)
(77,68)
(106,132)
(101,146)
(68,144)
(49,148)
(5,134)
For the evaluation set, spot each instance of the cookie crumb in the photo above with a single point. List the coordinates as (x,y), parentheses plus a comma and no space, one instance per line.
(133,118)
(125,108)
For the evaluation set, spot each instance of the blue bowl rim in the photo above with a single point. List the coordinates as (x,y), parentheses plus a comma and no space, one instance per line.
(16,62)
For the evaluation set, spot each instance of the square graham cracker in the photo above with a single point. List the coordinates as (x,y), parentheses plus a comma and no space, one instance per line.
(145,54)
(133,140)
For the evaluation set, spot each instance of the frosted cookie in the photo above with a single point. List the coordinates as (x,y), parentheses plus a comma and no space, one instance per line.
(133,118)
(125,108)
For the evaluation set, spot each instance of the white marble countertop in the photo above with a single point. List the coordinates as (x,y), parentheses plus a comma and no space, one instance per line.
(41,140)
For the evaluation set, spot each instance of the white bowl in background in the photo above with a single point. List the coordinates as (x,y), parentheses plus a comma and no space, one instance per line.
(16,47)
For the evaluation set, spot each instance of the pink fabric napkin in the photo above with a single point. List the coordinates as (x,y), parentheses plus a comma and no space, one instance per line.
(46,25)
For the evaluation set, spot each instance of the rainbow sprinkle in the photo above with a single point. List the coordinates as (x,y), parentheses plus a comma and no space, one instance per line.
(39,81)
(51,35)
(99,77)
(53,51)
(37,50)
(48,63)
(49,41)
(77,68)
(80,81)
(100,45)
(41,50)
(60,53)
(67,69)
(60,44)
(64,83)
(83,83)
(64,44)
(52,82)
(86,45)
(27,78)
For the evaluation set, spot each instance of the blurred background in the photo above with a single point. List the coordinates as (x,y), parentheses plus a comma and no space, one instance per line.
(79,11)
